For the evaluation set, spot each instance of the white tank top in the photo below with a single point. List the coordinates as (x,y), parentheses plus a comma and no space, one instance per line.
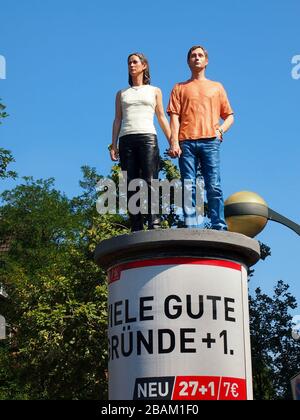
(138,108)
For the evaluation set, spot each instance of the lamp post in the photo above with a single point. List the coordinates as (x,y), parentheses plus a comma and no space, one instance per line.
(248,213)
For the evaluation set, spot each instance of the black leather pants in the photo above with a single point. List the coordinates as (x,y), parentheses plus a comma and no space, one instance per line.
(139,156)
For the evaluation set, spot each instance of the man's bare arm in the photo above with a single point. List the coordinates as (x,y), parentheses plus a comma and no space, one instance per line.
(174,142)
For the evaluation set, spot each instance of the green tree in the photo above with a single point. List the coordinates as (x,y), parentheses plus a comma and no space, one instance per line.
(3,114)
(5,159)
(170,172)
(275,353)
(56,305)
(5,155)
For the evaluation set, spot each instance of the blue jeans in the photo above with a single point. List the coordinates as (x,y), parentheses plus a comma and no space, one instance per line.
(205,152)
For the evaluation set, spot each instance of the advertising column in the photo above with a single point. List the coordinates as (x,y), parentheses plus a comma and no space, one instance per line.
(179,325)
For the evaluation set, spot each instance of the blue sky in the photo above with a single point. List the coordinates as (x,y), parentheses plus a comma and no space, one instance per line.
(66,59)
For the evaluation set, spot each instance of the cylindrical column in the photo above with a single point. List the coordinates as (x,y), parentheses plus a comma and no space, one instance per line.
(178,314)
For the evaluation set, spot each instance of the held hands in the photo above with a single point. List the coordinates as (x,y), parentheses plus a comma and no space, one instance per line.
(174,150)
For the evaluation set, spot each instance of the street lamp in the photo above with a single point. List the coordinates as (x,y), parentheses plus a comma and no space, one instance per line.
(248,213)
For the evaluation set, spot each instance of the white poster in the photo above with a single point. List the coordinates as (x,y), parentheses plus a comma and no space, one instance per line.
(179,329)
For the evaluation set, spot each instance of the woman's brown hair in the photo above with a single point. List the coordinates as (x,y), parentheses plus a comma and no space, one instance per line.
(146,76)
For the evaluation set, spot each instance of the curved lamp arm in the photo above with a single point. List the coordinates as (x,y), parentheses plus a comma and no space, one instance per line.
(276,217)
(256,209)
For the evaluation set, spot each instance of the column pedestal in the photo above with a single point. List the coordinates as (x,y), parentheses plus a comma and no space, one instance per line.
(178,314)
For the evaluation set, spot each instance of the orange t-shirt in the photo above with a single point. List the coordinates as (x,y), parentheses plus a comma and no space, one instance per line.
(200,104)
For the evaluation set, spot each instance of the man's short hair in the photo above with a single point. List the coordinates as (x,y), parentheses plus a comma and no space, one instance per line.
(194,48)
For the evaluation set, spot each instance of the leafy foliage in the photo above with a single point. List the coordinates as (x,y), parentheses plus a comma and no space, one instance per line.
(5,159)
(56,305)
(3,114)
(275,354)
(5,155)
